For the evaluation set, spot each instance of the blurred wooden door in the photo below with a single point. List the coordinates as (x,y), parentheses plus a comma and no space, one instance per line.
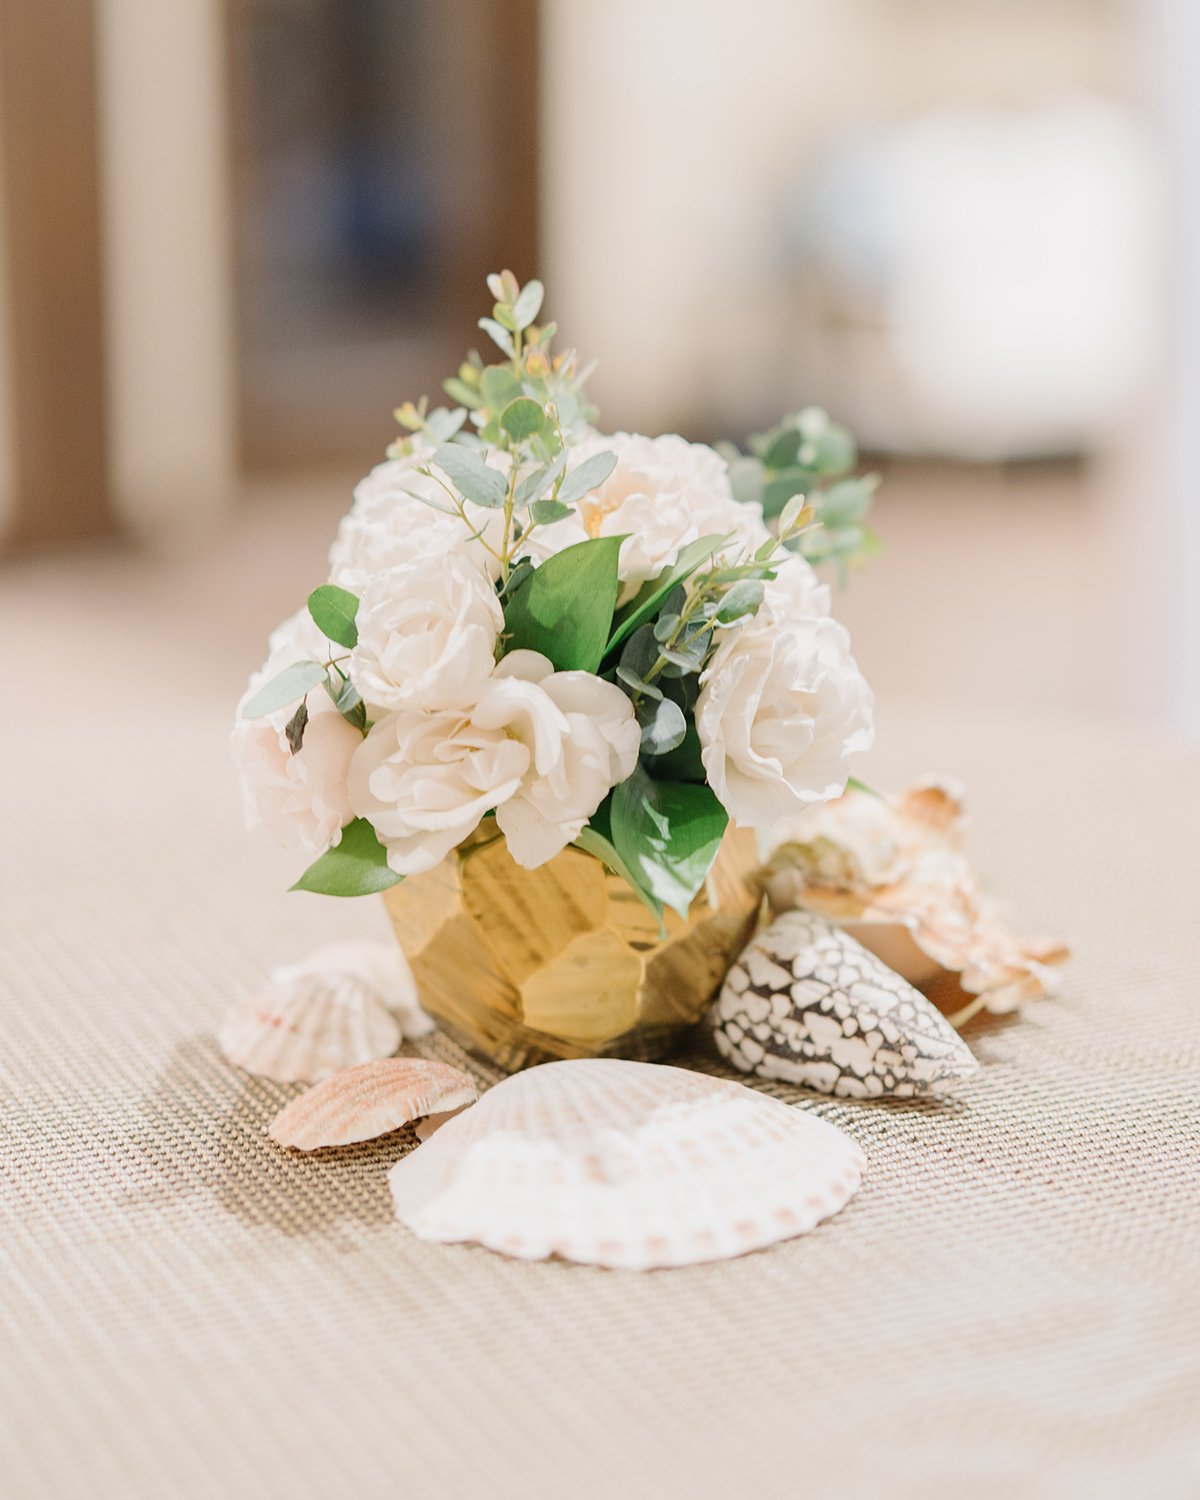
(385,160)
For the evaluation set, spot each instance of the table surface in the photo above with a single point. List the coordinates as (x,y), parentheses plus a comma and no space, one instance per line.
(1008,1307)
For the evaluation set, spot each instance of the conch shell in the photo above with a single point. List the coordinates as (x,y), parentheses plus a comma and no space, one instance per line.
(893,873)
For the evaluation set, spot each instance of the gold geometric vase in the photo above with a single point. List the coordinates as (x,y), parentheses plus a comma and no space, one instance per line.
(525,966)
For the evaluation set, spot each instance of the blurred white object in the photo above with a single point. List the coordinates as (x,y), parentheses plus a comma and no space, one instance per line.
(991,281)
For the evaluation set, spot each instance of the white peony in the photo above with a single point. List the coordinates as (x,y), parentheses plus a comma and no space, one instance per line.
(579,753)
(427,633)
(539,748)
(303,799)
(782,705)
(664,493)
(390,523)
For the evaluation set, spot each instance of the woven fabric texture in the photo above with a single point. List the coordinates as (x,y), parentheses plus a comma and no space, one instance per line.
(1009,1307)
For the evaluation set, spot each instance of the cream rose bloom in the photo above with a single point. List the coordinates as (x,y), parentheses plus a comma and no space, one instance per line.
(663,493)
(782,705)
(427,633)
(539,748)
(303,799)
(390,523)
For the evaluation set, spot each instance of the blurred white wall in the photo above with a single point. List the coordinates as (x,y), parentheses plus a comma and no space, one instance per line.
(169,292)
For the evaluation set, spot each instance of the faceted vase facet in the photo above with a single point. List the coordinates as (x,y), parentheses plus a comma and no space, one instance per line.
(524,966)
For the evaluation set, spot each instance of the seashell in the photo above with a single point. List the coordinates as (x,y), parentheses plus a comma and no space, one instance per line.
(381,966)
(358,1104)
(423,1129)
(808,1004)
(893,872)
(304,1026)
(625,1164)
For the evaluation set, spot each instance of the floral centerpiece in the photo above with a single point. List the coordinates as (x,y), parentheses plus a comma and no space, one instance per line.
(551,675)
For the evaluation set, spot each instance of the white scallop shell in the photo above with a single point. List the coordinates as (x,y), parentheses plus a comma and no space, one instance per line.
(625,1164)
(807,1004)
(372,1099)
(426,1127)
(302,1027)
(381,966)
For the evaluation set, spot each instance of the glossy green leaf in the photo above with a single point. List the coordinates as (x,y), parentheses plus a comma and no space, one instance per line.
(356,866)
(333,609)
(564,608)
(668,833)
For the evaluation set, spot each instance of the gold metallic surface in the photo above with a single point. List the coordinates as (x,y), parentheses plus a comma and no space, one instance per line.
(564,961)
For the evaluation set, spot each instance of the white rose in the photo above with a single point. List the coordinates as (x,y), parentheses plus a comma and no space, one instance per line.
(303,799)
(390,523)
(540,748)
(578,754)
(664,493)
(427,634)
(782,705)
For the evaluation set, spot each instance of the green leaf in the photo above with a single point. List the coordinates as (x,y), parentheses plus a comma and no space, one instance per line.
(596,843)
(845,502)
(470,476)
(499,335)
(528,304)
(460,391)
(498,386)
(356,866)
(742,599)
(780,488)
(564,608)
(546,512)
(746,477)
(668,833)
(651,594)
(853,784)
(333,609)
(348,702)
(534,485)
(522,418)
(292,683)
(590,473)
(663,725)
(784,448)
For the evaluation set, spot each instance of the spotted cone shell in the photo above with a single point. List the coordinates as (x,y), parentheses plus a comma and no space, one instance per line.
(808,1004)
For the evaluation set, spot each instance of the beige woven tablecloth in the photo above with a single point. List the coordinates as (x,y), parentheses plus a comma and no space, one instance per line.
(1009,1307)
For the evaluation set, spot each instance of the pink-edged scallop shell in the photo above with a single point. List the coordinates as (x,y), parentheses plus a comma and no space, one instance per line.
(372,1099)
(302,1027)
(380,965)
(892,871)
(625,1164)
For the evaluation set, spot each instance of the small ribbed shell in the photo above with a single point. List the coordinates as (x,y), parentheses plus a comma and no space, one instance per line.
(304,1026)
(625,1164)
(370,1100)
(381,966)
(807,1004)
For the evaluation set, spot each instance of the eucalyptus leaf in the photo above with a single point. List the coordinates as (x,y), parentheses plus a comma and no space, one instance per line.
(333,609)
(499,336)
(470,476)
(443,423)
(290,685)
(645,603)
(528,304)
(522,418)
(663,725)
(742,599)
(460,391)
(497,387)
(564,608)
(589,474)
(668,833)
(546,512)
(534,485)
(356,866)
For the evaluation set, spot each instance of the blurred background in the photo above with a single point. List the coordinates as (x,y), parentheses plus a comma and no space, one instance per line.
(234,234)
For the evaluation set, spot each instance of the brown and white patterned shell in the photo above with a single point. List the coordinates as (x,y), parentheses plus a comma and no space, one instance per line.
(372,1099)
(807,1004)
(894,872)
